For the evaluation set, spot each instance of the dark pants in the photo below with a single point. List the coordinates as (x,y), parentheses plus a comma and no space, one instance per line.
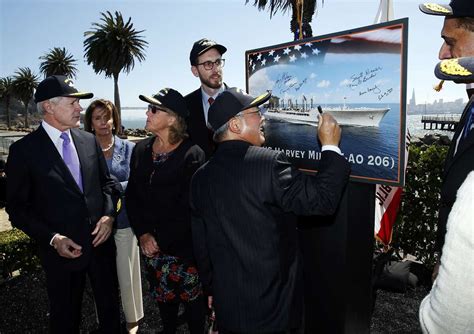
(194,313)
(65,290)
(295,331)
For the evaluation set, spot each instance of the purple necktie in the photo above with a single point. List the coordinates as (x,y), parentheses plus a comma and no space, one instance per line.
(71,160)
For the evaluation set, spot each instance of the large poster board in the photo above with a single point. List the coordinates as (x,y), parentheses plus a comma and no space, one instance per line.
(359,76)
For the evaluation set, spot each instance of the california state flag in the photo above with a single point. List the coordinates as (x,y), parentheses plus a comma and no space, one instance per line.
(387,203)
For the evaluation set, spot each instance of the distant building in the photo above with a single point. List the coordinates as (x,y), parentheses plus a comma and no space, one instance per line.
(413,100)
(437,107)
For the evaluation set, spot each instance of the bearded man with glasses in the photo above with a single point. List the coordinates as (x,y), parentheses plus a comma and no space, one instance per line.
(206,64)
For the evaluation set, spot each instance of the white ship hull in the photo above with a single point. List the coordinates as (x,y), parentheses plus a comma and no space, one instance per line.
(344,116)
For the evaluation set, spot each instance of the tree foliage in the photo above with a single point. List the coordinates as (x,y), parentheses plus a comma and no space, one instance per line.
(112,46)
(58,62)
(309,8)
(25,83)
(6,93)
(415,230)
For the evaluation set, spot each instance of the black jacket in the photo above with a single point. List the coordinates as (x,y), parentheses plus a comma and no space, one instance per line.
(43,197)
(456,168)
(245,200)
(157,197)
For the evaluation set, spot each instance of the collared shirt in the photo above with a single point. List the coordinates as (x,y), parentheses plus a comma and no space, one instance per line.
(205,100)
(54,134)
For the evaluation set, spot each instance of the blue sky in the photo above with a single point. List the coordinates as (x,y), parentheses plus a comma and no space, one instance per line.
(29,28)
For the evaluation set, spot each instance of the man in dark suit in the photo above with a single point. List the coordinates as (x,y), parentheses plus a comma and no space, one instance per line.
(60,193)
(458,35)
(206,64)
(245,200)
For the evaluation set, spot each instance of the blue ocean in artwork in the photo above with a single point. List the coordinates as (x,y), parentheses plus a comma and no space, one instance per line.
(373,152)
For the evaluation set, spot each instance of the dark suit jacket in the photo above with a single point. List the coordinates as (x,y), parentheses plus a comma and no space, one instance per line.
(197,128)
(457,167)
(43,198)
(158,196)
(245,200)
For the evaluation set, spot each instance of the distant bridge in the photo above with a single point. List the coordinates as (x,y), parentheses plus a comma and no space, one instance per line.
(441,122)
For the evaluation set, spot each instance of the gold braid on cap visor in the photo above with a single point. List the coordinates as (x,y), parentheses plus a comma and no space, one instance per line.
(436,8)
(452,67)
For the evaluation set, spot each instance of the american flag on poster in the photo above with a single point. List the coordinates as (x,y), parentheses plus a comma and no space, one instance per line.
(324,69)
(387,204)
(310,54)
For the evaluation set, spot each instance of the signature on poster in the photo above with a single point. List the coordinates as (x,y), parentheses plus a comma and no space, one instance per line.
(358,79)
(373,89)
(386,93)
(287,82)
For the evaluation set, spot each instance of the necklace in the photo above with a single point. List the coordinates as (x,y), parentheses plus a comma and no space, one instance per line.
(110,146)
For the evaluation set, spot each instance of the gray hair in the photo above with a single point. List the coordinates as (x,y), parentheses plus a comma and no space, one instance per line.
(221,133)
(55,100)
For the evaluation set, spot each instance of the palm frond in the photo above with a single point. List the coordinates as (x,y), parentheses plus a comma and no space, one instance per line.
(58,62)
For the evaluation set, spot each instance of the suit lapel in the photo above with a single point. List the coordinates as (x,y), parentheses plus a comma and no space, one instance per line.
(52,156)
(465,143)
(199,114)
(84,159)
(118,155)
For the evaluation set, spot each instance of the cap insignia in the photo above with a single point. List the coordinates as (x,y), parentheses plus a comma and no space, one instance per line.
(436,8)
(452,67)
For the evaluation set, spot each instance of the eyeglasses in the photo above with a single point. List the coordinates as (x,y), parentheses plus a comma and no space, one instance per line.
(209,65)
(259,112)
(153,109)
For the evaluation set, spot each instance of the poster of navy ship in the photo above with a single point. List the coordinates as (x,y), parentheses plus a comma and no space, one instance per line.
(358,76)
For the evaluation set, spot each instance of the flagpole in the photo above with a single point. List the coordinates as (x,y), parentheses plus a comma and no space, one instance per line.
(385,11)
(299,16)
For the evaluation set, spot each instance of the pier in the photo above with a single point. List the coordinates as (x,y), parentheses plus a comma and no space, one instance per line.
(440,122)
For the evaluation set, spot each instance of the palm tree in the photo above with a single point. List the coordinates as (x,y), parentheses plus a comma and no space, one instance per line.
(58,61)
(112,46)
(24,85)
(309,7)
(6,93)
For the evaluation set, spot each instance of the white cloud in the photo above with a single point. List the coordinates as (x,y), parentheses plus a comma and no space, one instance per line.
(259,82)
(312,75)
(323,84)
(345,82)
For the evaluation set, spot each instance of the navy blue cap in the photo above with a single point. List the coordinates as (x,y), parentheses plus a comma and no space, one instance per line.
(230,102)
(168,98)
(58,85)
(203,45)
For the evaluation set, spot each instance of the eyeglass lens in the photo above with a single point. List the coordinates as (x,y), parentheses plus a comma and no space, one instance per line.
(153,108)
(209,65)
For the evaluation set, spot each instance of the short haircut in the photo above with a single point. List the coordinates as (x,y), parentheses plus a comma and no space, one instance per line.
(55,100)
(221,133)
(106,105)
(466,23)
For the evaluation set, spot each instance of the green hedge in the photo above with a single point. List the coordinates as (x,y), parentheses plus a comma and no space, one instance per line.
(415,230)
(17,252)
